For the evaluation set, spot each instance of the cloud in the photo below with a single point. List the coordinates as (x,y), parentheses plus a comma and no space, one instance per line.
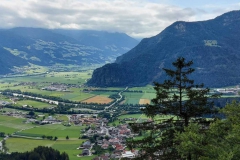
(138,18)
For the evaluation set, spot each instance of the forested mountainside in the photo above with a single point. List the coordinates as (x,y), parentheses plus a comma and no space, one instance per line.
(213,45)
(20,46)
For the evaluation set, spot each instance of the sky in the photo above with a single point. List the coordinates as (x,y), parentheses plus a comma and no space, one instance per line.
(137,18)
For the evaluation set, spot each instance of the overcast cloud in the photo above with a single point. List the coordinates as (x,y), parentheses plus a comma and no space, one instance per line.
(137,18)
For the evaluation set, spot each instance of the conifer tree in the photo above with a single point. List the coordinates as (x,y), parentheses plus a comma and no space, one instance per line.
(179,101)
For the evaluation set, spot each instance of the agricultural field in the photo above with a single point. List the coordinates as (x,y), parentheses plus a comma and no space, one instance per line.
(138,117)
(144,101)
(148,88)
(49,77)
(132,97)
(10,124)
(25,84)
(98,99)
(34,104)
(57,130)
(68,146)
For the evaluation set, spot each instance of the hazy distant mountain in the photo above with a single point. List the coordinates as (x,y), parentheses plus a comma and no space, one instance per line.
(48,47)
(213,45)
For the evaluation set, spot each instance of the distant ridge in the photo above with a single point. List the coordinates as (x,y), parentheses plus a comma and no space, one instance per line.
(213,45)
(47,47)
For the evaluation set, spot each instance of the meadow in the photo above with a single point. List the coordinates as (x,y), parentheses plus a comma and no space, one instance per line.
(34,104)
(11,125)
(57,130)
(68,146)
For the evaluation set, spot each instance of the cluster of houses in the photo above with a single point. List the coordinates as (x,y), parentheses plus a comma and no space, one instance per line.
(51,120)
(107,136)
(17,114)
(61,87)
(85,119)
(116,139)
(228,91)
(57,87)
(3,103)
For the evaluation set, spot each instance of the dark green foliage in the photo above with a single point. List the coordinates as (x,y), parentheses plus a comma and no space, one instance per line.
(31,113)
(220,141)
(216,64)
(43,153)
(179,97)
(104,115)
(2,134)
(98,149)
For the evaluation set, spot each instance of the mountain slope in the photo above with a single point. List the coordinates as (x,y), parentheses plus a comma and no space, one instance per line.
(48,47)
(213,45)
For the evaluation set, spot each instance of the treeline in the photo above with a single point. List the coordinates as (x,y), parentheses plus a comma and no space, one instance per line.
(107,90)
(10,92)
(222,102)
(61,109)
(60,100)
(41,152)
(130,108)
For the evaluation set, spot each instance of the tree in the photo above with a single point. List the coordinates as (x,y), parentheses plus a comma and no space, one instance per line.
(55,138)
(40,152)
(31,113)
(179,101)
(221,141)
(67,138)
(2,134)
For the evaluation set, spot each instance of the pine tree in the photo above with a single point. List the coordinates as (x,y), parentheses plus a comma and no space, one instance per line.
(179,101)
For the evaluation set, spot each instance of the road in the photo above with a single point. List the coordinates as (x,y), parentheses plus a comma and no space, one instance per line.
(118,99)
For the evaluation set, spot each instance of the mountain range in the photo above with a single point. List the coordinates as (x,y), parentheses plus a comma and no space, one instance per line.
(21,46)
(213,45)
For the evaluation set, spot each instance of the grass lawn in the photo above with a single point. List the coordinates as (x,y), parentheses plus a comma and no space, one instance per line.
(35,104)
(140,118)
(148,88)
(103,93)
(57,130)
(132,98)
(12,124)
(68,146)
(148,95)
(62,117)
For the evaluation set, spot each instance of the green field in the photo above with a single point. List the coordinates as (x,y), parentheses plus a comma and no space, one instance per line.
(132,98)
(148,88)
(139,117)
(11,124)
(34,104)
(75,94)
(57,130)
(68,146)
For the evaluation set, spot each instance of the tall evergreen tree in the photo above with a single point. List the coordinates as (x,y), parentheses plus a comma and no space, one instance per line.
(220,141)
(179,99)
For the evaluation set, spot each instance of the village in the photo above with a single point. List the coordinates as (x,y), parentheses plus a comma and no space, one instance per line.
(111,140)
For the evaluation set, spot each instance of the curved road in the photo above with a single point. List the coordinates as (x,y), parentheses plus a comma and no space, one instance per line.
(118,99)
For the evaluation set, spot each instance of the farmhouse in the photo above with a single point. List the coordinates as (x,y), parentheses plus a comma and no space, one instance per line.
(128,154)
(87,145)
(85,152)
